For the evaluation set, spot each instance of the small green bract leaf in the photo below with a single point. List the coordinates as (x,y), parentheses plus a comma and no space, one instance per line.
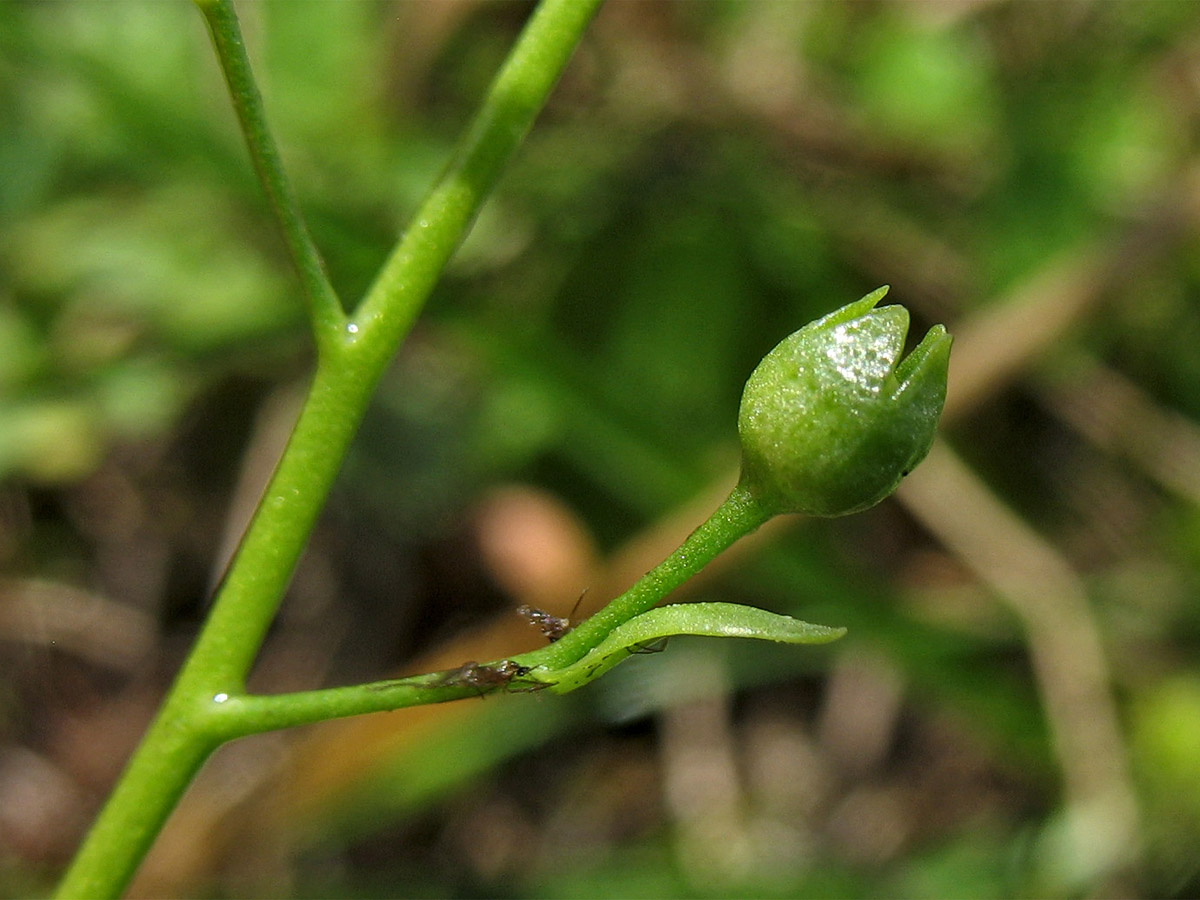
(832,418)
(705,619)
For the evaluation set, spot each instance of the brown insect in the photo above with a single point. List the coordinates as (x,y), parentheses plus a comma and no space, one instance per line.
(487,677)
(554,627)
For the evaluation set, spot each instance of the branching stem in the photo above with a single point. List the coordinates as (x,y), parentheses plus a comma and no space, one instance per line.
(352,357)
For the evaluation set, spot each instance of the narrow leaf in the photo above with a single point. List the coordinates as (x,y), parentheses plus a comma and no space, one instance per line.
(705,619)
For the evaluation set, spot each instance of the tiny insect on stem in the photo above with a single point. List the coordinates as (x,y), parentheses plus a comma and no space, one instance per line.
(551,626)
(555,627)
(483,678)
(488,677)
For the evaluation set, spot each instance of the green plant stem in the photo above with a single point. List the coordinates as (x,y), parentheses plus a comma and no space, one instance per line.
(247,714)
(513,100)
(190,725)
(181,737)
(325,309)
(739,515)
(170,755)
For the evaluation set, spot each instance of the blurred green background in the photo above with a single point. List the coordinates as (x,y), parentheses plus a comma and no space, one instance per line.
(1016,710)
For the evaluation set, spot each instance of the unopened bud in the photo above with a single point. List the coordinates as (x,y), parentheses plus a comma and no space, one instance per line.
(832,418)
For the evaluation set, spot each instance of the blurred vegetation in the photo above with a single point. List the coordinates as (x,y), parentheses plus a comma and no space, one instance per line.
(1017,708)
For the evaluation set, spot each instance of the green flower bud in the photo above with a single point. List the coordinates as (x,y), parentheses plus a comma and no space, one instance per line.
(832,419)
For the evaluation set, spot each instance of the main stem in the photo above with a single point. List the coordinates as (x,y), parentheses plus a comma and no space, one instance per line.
(187,727)
(184,732)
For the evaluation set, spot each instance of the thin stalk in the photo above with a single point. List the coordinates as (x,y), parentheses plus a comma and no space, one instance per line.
(238,716)
(324,307)
(737,516)
(518,92)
